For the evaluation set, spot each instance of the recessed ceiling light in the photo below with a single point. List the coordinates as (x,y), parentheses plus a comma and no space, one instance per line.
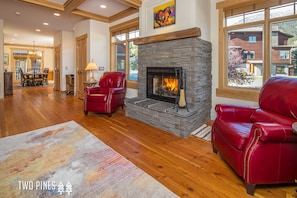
(37,30)
(57,14)
(102,6)
(18,13)
(45,23)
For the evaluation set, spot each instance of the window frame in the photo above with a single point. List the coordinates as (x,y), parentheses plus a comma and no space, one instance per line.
(125,27)
(230,8)
(284,54)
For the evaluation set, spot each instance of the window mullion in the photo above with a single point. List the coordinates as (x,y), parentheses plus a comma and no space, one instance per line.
(127,54)
(267,46)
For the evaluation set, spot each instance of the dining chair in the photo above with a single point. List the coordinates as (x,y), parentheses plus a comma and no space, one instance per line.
(37,78)
(25,80)
(45,75)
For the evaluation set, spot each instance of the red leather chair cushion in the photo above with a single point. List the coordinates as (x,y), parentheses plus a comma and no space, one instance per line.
(261,115)
(111,81)
(99,98)
(236,133)
(272,96)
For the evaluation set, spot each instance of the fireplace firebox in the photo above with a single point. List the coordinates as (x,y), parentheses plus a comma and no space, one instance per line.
(163,83)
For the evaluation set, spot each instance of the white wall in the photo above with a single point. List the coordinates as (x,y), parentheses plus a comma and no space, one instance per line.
(203,18)
(1,61)
(98,43)
(215,64)
(189,14)
(65,40)
(67,58)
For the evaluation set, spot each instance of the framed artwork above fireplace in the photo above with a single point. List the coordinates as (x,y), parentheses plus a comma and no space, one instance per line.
(164,14)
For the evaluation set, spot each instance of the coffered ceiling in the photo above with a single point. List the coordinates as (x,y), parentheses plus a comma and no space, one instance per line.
(33,21)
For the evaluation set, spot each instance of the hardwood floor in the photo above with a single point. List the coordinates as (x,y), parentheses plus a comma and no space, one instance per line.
(187,166)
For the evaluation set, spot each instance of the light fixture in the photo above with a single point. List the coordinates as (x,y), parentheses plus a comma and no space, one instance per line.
(102,6)
(91,67)
(32,52)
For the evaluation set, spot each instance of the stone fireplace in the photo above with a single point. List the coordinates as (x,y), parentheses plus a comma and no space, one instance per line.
(155,104)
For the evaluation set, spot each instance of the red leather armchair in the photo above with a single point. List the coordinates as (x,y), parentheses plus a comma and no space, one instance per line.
(108,96)
(259,143)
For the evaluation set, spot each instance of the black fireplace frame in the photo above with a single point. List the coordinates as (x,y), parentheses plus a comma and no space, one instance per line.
(166,72)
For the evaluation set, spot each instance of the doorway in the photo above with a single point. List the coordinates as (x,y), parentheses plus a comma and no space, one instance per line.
(81,63)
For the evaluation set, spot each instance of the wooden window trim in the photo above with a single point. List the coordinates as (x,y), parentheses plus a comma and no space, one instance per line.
(243,93)
(125,27)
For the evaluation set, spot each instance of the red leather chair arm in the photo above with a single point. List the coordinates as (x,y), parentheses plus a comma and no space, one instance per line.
(273,132)
(234,113)
(117,90)
(92,90)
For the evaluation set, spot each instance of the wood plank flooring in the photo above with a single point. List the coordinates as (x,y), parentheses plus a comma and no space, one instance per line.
(187,166)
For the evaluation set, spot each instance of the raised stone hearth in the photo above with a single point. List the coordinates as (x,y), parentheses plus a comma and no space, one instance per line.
(194,56)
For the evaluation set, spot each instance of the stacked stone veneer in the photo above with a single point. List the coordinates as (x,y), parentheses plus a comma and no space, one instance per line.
(194,55)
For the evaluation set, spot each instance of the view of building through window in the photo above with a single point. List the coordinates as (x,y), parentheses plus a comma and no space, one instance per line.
(246,47)
(245,58)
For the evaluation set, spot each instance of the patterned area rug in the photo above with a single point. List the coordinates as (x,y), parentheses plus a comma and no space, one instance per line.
(203,132)
(65,160)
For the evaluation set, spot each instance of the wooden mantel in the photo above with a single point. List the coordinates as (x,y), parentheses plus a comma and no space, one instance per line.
(192,32)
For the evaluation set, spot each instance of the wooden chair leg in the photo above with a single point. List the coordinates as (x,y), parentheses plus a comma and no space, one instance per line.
(214,149)
(250,188)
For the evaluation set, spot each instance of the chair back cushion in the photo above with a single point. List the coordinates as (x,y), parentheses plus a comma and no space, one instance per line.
(112,80)
(279,95)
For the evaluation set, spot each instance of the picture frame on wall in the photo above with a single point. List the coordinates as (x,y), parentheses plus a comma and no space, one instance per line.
(5,59)
(165,14)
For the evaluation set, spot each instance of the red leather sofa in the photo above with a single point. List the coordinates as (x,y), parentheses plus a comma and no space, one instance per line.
(258,142)
(108,96)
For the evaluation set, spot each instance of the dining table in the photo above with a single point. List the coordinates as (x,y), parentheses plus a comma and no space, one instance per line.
(36,77)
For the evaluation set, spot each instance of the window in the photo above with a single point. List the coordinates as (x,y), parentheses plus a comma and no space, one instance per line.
(259,40)
(241,57)
(282,10)
(284,54)
(124,54)
(252,54)
(252,39)
(245,18)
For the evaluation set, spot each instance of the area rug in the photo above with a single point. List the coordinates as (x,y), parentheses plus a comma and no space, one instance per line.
(203,132)
(66,160)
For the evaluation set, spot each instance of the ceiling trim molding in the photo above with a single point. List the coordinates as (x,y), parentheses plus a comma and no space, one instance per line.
(123,14)
(91,15)
(132,3)
(26,45)
(71,5)
(45,4)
